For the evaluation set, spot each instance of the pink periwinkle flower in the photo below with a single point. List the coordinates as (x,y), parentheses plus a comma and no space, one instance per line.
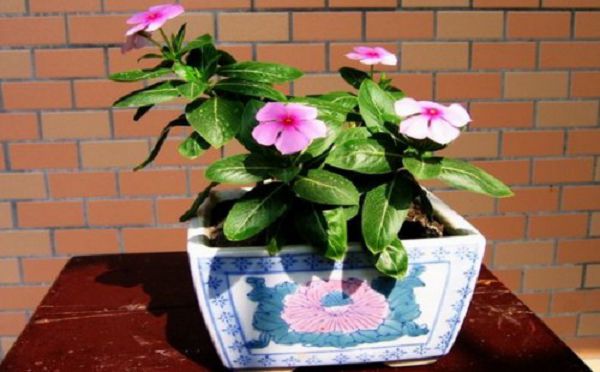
(424,119)
(154,18)
(373,56)
(135,41)
(344,306)
(290,127)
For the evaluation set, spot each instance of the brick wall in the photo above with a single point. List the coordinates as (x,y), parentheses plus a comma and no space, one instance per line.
(529,70)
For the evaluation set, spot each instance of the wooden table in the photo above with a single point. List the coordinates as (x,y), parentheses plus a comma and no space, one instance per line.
(139,312)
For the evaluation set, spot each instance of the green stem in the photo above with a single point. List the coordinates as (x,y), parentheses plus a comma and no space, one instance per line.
(162,32)
(372,71)
(150,39)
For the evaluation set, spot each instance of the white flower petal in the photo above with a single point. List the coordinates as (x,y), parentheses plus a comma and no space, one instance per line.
(442,132)
(415,127)
(407,106)
(457,115)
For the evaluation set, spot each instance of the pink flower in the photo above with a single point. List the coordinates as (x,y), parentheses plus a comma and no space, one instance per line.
(373,56)
(344,306)
(290,127)
(424,119)
(135,41)
(154,18)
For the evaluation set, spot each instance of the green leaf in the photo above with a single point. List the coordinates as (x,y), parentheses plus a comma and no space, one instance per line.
(248,123)
(250,89)
(393,260)
(187,73)
(192,89)
(323,229)
(179,122)
(342,99)
(197,43)
(424,168)
(353,76)
(462,175)
(150,56)
(369,156)
(353,133)
(193,211)
(141,111)
(178,39)
(137,75)
(260,71)
(154,94)
(376,106)
(384,210)
(239,169)
(205,58)
(225,58)
(328,112)
(324,187)
(217,119)
(337,233)
(285,174)
(276,238)
(256,210)
(193,146)
(320,145)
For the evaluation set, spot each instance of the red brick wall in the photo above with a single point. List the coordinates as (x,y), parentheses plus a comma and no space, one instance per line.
(529,70)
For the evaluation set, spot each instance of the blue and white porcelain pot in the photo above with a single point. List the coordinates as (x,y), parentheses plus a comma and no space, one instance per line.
(298,308)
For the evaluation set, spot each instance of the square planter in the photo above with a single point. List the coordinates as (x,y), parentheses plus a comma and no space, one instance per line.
(299,309)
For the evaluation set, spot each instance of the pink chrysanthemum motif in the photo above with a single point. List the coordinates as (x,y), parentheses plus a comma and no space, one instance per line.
(424,119)
(154,18)
(373,56)
(344,306)
(291,127)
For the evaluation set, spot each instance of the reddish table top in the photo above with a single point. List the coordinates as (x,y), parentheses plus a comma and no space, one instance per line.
(139,312)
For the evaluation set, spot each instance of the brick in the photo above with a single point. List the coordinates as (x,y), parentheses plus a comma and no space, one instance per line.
(2,160)
(557,225)
(306,57)
(212,4)
(434,56)
(9,272)
(434,3)
(524,253)
(75,124)
(589,325)
(327,26)
(538,302)
(197,24)
(42,270)
(535,84)
(473,145)
(506,3)
(452,86)
(555,277)
(584,142)
(83,29)
(570,55)
(587,25)
(511,172)
(536,199)
(43,155)
(241,52)
(18,126)
(20,31)
(55,63)
(36,95)
(500,227)
(595,224)
(21,297)
(569,4)
(15,64)
(501,114)
(578,251)
(535,25)
(23,243)
(86,241)
(169,210)
(362,3)
(154,240)
(120,212)
(12,323)
(533,143)
(287,4)
(5,215)
(467,203)
(47,214)
(12,6)
(6,343)
(470,25)
(513,278)
(567,114)
(496,56)
(585,84)
(338,59)
(161,182)
(416,85)
(576,301)
(113,154)
(60,6)
(253,26)
(100,93)
(592,276)
(384,25)
(118,62)
(169,155)
(131,5)
(318,84)
(553,170)
(581,198)
(562,326)
(149,126)
(82,184)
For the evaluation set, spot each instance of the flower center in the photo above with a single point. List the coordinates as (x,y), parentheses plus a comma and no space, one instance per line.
(431,112)
(288,121)
(337,298)
(152,16)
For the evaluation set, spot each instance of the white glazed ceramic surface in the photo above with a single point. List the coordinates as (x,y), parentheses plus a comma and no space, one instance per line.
(298,309)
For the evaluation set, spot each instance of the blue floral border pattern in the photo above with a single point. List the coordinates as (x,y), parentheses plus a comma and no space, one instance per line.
(232,341)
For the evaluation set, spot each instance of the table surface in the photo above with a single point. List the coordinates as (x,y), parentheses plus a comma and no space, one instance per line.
(139,312)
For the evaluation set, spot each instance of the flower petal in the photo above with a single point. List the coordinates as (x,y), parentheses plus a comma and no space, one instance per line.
(370,60)
(457,115)
(312,129)
(442,132)
(301,112)
(291,141)
(386,57)
(272,111)
(157,23)
(415,127)
(266,133)
(354,56)
(172,11)
(137,18)
(136,28)
(407,106)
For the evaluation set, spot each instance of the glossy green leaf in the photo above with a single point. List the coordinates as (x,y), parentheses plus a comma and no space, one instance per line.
(187,73)
(376,106)
(342,99)
(137,75)
(353,133)
(239,169)
(353,76)
(198,43)
(193,146)
(324,229)
(225,58)
(141,111)
(424,168)
(202,196)
(192,89)
(462,175)
(369,156)
(337,233)
(250,89)
(261,72)
(393,260)
(154,94)
(179,122)
(276,238)
(248,123)
(325,187)
(217,120)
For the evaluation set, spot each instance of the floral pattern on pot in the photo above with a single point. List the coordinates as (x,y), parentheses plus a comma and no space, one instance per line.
(336,313)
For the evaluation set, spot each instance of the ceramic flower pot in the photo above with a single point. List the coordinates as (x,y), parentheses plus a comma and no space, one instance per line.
(298,308)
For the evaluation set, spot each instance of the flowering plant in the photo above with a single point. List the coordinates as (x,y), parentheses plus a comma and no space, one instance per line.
(318,162)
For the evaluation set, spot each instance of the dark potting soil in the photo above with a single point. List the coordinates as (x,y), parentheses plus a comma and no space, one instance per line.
(416,226)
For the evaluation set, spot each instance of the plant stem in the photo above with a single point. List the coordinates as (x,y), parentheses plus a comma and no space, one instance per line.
(162,32)
(372,71)
(150,39)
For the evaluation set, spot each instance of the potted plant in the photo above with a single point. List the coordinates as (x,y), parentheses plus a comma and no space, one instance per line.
(328,251)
